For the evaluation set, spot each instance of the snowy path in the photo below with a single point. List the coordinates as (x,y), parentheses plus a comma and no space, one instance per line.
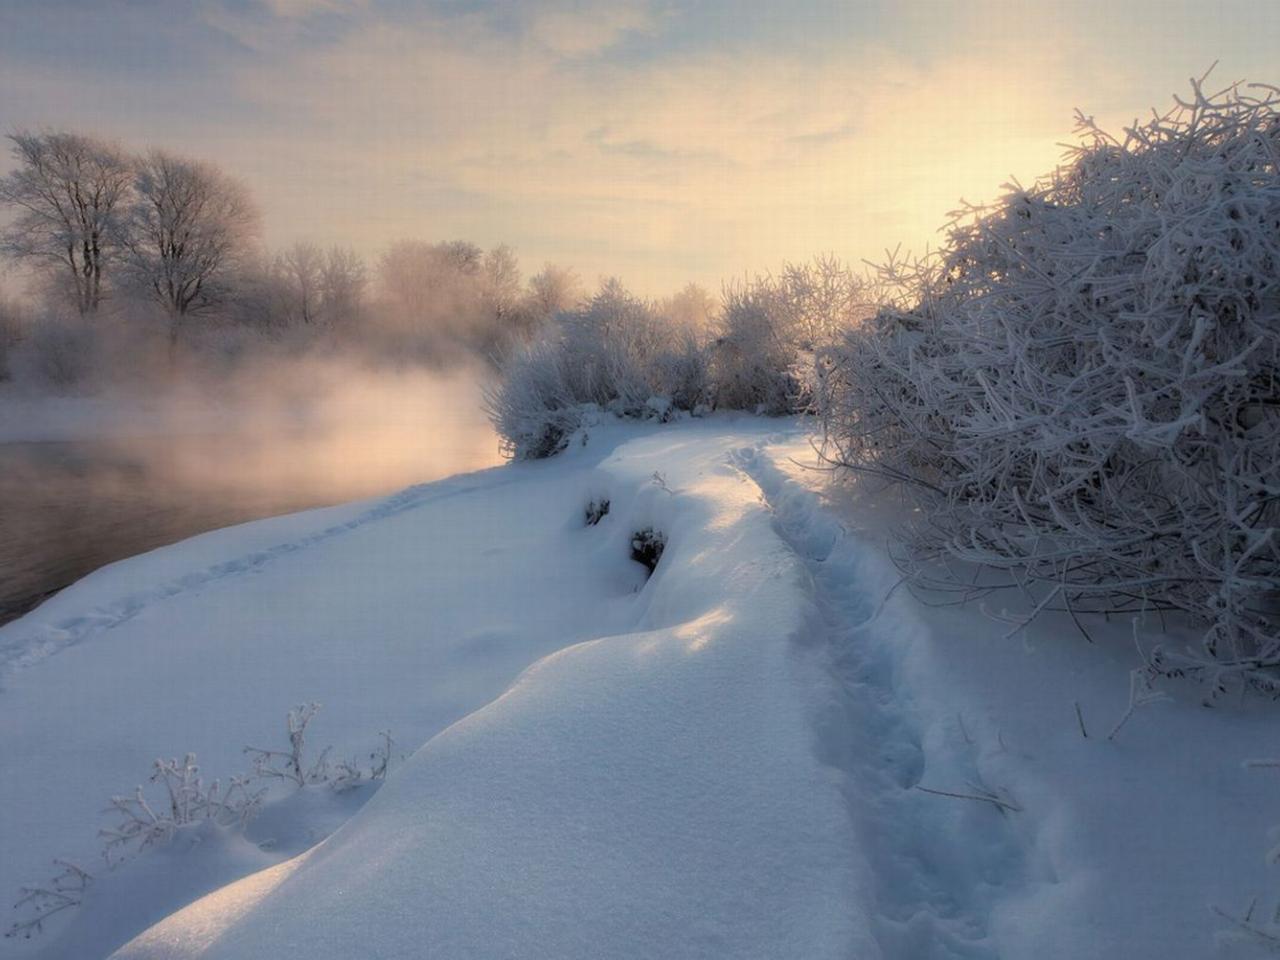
(938,862)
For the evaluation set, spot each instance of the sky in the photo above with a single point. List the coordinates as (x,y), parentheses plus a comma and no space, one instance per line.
(661,141)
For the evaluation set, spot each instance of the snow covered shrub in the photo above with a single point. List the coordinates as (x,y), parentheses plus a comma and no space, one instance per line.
(866,385)
(141,823)
(753,361)
(291,766)
(770,328)
(596,511)
(1087,376)
(647,546)
(288,764)
(616,353)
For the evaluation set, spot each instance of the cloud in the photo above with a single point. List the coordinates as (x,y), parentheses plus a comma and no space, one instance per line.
(579,29)
(715,160)
(294,9)
(663,140)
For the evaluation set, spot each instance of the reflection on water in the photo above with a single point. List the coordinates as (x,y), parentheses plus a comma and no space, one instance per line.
(68,508)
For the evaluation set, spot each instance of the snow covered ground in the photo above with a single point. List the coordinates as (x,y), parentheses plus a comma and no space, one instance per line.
(763,750)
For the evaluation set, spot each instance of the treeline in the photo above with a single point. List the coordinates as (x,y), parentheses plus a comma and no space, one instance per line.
(1080,389)
(147,262)
(751,350)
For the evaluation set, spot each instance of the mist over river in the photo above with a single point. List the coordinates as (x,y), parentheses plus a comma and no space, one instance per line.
(84,483)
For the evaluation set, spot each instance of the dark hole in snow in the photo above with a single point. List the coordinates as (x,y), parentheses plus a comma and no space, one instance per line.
(647,546)
(596,511)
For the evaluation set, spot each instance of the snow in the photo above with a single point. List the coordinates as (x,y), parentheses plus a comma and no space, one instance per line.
(731,758)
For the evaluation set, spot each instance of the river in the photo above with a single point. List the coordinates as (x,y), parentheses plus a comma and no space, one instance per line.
(70,507)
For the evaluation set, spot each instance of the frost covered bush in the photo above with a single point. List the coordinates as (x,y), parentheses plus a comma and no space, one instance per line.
(1086,381)
(616,353)
(187,800)
(754,363)
(646,360)
(771,327)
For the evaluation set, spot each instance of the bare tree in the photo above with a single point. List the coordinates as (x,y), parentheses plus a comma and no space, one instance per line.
(300,270)
(69,191)
(188,226)
(317,287)
(343,279)
(460,255)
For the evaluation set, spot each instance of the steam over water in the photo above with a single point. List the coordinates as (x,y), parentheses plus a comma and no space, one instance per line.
(87,481)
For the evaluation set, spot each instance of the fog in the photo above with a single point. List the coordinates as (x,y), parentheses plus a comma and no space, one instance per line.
(88,479)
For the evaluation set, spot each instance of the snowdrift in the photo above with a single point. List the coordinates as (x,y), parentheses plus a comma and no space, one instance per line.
(759,749)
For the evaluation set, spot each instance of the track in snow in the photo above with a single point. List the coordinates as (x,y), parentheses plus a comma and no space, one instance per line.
(26,649)
(937,864)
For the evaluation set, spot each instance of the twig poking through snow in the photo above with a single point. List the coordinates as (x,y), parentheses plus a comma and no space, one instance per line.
(1141,694)
(61,893)
(986,797)
(1080,720)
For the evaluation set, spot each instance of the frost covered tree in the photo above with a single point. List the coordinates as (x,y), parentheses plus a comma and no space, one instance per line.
(68,192)
(314,287)
(431,289)
(300,270)
(500,281)
(692,308)
(498,322)
(343,281)
(188,226)
(552,290)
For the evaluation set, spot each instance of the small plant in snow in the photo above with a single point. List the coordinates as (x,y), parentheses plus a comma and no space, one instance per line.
(63,892)
(1141,694)
(347,774)
(1255,925)
(143,823)
(659,480)
(288,764)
